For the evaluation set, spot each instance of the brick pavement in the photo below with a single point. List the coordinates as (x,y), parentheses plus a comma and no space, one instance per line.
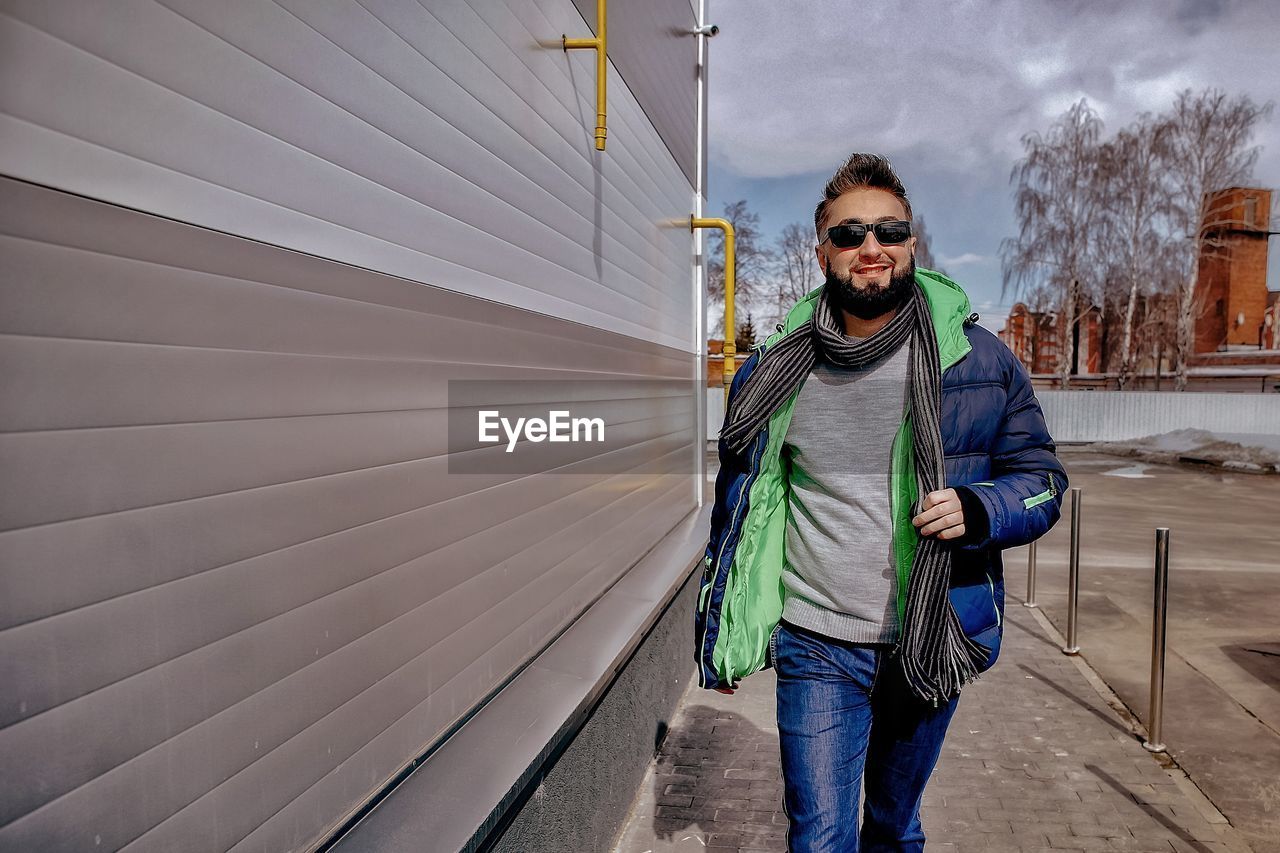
(1037,758)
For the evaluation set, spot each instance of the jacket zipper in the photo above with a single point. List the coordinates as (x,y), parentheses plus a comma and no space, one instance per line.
(733,522)
(991,586)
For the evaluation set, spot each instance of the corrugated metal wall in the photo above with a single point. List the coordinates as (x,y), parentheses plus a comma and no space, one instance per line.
(442,142)
(638,31)
(1076,416)
(248,246)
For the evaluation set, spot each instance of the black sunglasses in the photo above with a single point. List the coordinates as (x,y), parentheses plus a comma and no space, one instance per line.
(851,235)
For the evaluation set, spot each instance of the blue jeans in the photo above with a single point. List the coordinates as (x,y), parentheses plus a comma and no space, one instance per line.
(845,713)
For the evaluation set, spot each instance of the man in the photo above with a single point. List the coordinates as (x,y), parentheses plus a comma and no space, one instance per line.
(878,453)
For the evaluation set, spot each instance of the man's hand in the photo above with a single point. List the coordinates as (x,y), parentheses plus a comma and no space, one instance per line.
(941,515)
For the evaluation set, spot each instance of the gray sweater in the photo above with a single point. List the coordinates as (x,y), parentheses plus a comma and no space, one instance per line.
(839,577)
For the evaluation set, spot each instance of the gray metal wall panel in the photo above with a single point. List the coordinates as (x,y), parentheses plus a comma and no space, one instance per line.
(83,647)
(47,298)
(241,551)
(233,537)
(652,45)
(160,384)
(368,682)
(299,759)
(417,141)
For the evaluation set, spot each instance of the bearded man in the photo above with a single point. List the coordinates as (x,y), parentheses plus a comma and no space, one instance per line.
(878,453)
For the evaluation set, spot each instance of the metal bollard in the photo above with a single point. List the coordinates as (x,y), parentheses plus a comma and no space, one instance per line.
(1156,721)
(1073,576)
(1031,576)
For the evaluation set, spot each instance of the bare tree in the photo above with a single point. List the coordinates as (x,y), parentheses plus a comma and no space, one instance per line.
(795,268)
(1039,301)
(1056,203)
(1138,204)
(1209,150)
(1157,332)
(745,335)
(753,257)
(924,246)
(1112,297)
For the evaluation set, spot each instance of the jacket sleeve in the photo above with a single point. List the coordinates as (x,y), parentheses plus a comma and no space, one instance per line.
(733,468)
(731,481)
(1023,498)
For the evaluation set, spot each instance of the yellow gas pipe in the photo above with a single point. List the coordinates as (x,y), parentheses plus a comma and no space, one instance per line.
(598,44)
(730,347)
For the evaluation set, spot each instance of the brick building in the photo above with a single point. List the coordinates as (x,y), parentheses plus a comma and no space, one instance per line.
(1271,322)
(1237,332)
(1033,336)
(1233,270)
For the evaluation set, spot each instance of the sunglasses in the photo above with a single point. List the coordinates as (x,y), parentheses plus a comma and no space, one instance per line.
(852,235)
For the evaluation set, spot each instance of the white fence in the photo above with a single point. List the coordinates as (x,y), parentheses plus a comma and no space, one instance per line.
(1080,416)
(715,412)
(1075,416)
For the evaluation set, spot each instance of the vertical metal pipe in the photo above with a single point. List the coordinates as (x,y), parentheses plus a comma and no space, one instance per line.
(602,73)
(730,277)
(1073,576)
(600,44)
(1155,723)
(730,347)
(1031,576)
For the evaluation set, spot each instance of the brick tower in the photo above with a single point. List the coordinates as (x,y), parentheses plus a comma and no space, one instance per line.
(1233,270)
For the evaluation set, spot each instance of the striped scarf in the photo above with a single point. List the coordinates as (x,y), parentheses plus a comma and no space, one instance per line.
(937,658)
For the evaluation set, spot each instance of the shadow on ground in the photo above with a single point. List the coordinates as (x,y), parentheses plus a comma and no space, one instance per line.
(716,783)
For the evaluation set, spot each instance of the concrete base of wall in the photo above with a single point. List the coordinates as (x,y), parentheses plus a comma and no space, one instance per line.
(581,801)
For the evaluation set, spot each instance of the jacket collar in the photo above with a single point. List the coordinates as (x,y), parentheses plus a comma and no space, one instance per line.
(948,305)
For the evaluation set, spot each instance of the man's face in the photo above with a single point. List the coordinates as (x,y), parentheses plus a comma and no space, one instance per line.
(869,267)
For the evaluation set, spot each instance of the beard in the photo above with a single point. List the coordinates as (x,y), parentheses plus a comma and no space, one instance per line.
(875,300)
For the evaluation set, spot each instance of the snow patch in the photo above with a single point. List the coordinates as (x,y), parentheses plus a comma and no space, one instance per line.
(1133,472)
(1241,451)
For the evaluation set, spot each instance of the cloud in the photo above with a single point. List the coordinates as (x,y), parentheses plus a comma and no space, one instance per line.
(1154,94)
(992,315)
(1039,70)
(961,82)
(963,260)
(1054,104)
(948,91)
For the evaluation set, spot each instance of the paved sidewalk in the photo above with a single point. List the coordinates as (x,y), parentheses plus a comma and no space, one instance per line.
(1036,759)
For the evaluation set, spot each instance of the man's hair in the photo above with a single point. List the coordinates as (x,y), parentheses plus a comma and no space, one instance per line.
(860,171)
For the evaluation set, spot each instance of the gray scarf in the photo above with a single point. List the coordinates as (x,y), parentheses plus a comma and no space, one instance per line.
(937,658)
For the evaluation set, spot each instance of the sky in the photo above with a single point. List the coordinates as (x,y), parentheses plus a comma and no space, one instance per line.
(947,91)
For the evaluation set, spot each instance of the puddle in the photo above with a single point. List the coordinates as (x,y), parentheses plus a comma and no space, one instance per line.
(1132,472)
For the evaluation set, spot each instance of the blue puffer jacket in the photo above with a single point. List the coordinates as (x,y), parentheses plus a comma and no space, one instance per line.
(998,456)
